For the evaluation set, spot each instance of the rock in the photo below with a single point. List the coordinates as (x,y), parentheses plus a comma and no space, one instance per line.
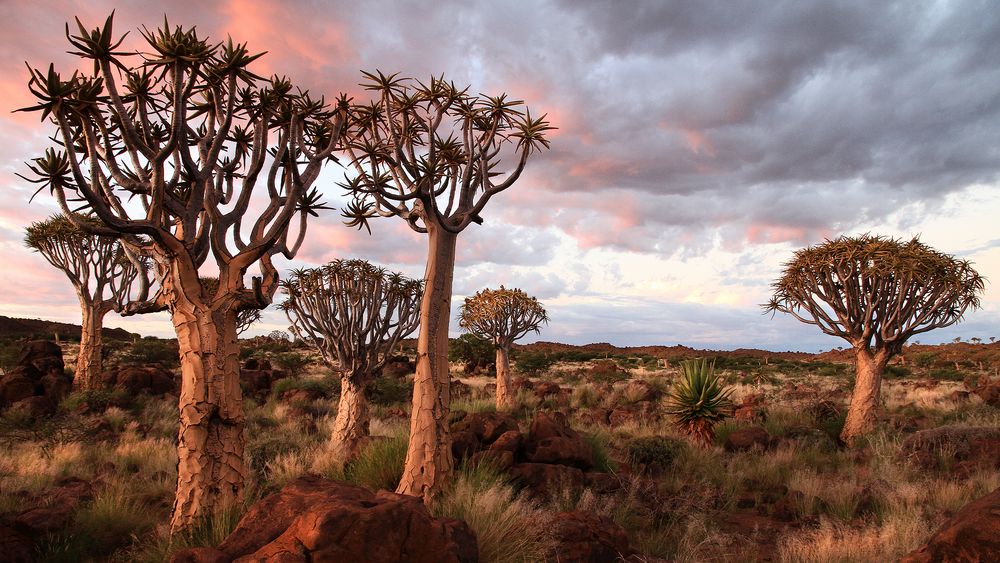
(638,390)
(55,507)
(551,440)
(542,480)
(55,386)
(545,389)
(745,439)
(200,555)
(43,355)
(256,381)
(510,441)
(32,408)
(398,367)
(459,390)
(750,414)
(642,412)
(16,547)
(140,379)
(14,387)
(990,394)
(972,534)
(958,396)
(464,443)
(965,449)
(500,459)
(486,426)
(585,537)
(316,519)
(522,383)
(602,483)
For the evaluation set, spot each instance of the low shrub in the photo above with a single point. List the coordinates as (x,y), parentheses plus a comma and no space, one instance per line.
(533,363)
(152,351)
(389,390)
(649,451)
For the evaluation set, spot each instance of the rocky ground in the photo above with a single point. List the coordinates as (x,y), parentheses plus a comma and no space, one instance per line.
(587,468)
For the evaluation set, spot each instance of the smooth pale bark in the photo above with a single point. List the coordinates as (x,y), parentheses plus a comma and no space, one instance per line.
(351,426)
(862,414)
(210,470)
(428,457)
(89,360)
(505,390)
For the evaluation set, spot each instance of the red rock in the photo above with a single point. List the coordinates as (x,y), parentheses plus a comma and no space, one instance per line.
(463,444)
(522,383)
(200,555)
(56,386)
(749,438)
(510,441)
(585,537)
(972,535)
(33,408)
(43,355)
(459,390)
(750,414)
(139,379)
(15,547)
(545,389)
(14,387)
(967,448)
(551,440)
(543,479)
(487,426)
(315,519)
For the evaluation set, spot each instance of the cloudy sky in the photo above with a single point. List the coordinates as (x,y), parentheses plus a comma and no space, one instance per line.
(699,144)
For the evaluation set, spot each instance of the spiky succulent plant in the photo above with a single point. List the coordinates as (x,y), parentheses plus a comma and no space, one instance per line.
(700,400)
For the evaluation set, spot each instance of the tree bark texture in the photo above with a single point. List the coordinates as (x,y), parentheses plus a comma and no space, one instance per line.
(429,461)
(505,390)
(210,448)
(862,414)
(89,360)
(351,426)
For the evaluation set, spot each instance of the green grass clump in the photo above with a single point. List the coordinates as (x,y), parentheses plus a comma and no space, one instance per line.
(646,451)
(380,465)
(599,446)
(328,386)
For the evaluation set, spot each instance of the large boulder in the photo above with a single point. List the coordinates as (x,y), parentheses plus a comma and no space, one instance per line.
(140,379)
(584,537)
(744,439)
(316,519)
(486,426)
(972,534)
(14,386)
(551,440)
(44,356)
(398,367)
(958,448)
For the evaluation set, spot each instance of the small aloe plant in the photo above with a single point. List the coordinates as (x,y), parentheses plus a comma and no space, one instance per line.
(700,400)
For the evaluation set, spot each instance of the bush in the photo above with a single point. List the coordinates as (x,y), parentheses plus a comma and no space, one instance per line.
(946,374)
(469,348)
(650,451)
(292,362)
(896,372)
(328,386)
(388,390)
(606,371)
(533,363)
(153,351)
(94,400)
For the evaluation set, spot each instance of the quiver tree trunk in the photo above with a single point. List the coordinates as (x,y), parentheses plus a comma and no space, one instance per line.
(505,390)
(351,427)
(210,448)
(89,360)
(428,457)
(862,414)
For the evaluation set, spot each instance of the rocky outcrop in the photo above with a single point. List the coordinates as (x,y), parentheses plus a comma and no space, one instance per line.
(140,379)
(316,519)
(38,382)
(972,535)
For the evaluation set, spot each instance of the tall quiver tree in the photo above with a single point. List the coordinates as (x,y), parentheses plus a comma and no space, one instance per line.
(502,316)
(876,293)
(431,154)
(100,271)
(354,313)
(166,153)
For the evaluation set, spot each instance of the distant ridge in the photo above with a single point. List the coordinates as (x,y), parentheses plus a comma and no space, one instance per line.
(11,328)
(677,351)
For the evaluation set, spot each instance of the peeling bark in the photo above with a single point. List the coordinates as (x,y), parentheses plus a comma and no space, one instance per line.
(210,469)
(89,360)
(505,390)
(861,415)
(351,427)
(429,461)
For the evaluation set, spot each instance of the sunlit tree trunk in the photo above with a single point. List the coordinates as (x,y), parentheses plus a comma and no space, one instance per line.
(505,391)
(210,469)
(428,457)
(351,426)
(89,361)
(861,415)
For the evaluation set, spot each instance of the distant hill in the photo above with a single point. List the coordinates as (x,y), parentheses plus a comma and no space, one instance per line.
(13,328)
(663,352)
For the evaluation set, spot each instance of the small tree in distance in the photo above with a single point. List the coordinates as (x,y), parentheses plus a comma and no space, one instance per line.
(102,275)
(502,316)
(431,154)
(168,152)
(876,293)
(355,314)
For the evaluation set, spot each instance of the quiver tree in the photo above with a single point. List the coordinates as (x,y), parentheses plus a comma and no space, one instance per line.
(875,292)
(100,271)
(166,151)
(354,313)
(502,316)
(432,155)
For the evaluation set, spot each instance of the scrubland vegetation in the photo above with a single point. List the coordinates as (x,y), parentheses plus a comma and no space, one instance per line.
(104,467)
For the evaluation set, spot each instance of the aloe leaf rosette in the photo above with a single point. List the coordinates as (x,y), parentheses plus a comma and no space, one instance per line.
(700,400)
